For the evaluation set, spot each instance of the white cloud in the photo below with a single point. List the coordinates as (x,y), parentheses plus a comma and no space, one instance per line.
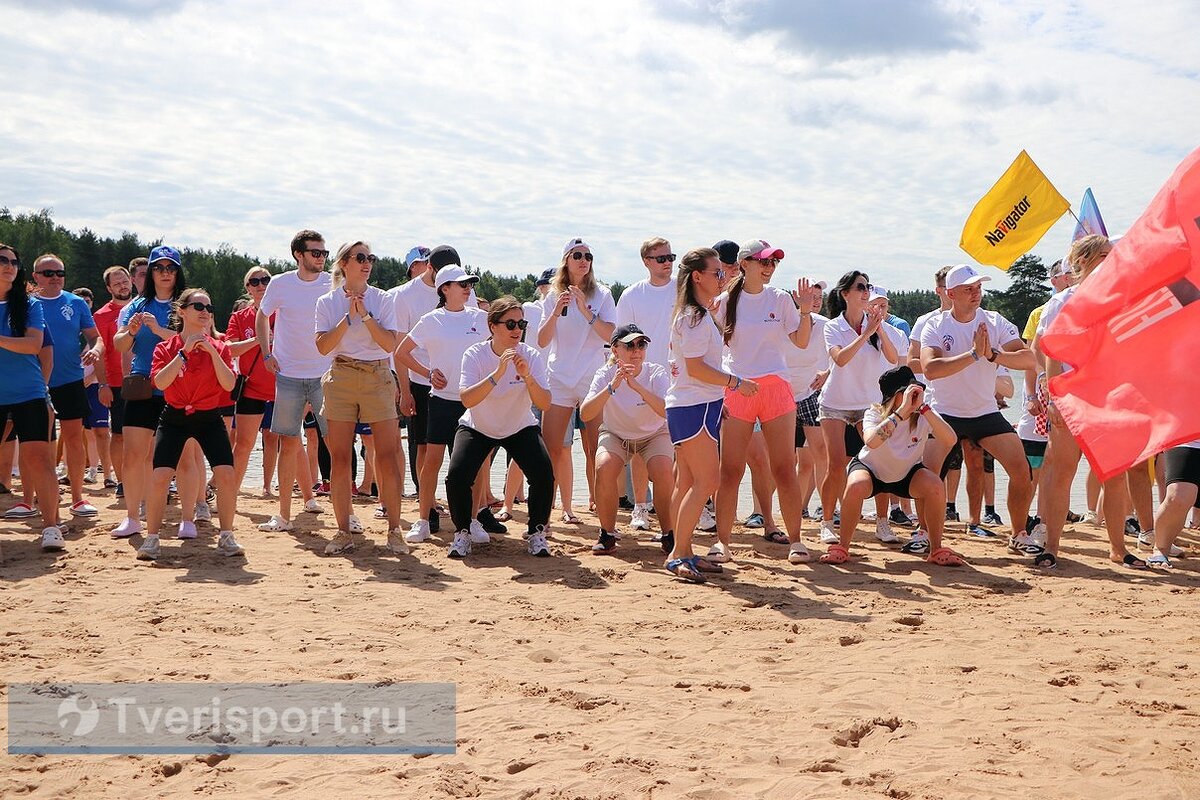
(505,129)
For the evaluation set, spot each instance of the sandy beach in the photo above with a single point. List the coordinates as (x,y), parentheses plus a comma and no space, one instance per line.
(602,677)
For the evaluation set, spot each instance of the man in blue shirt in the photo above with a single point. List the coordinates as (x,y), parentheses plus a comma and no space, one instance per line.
(68,319)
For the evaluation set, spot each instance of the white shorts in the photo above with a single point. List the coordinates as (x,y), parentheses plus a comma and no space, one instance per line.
(568,395)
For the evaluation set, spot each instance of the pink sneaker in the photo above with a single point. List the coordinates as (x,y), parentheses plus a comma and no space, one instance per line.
(127,528)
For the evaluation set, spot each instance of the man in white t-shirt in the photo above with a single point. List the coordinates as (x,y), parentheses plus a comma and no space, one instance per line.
(961,351)
(648,304)
(291,353)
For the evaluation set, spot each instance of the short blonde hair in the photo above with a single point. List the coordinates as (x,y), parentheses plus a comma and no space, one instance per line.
(651,244)
(1087,253)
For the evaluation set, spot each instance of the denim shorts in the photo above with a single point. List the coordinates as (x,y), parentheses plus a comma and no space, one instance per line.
(291,395)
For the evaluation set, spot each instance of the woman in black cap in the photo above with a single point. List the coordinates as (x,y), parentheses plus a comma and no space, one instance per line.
(895,434)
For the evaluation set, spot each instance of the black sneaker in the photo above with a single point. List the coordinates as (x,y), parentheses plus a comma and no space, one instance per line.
(435,523)
(898,516)
(623,504)
(992,518)
(952,516)
(120,489)
(4,489)
(1132,528)
(1073,518)
(489,522)
(982,533)
(667,542)
(605,544)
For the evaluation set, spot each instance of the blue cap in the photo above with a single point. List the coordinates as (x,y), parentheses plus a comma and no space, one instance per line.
(418,253)
(165,252)
(547,276)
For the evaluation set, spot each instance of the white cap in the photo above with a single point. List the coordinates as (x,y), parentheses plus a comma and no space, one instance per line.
(822,285)
(877,292)
(964,275)
(451,274)
(573,243)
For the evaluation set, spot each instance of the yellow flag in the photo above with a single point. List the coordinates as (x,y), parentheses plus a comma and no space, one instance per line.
(1013,216)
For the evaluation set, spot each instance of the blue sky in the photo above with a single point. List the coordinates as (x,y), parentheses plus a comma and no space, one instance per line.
(852,134)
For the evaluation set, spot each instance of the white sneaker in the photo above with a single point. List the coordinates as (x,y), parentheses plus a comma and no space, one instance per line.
(356,525)
(1090,518)
(52,539)
(203,512)
(187,529)
(89,475)
(639,518)
(418,533)
(798,553)
(478,534)
(884,532)
(1146,538)
(538,546)
(707,523)
(828,534)
(1038,535)
(276,524)
(149,551)
(311,506)
(396,542)
(1023,544)
(127,528)
(228,546)
(342,542)
(461,548)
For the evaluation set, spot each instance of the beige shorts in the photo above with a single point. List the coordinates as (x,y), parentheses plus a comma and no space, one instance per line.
(359,391)
(658,444)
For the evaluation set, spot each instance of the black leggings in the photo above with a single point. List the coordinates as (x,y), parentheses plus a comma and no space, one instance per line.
(472,448)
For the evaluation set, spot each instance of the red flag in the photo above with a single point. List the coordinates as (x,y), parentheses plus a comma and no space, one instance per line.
(1132,332)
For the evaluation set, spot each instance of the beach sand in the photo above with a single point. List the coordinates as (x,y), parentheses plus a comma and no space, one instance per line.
(603,677)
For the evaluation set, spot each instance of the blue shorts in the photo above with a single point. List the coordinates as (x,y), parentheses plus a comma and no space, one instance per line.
(291,397)
(687,422)
(268,409)
(97,416)
(362,428)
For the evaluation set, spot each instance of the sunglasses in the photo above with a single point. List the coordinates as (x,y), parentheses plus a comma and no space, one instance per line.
(636,344)
(360,258)
(263,281)
(576,256)
(766,261)
(862,287)
(200,307)
(164,268)
(463,284)
(53,273)
(5,261)
(315,253)
(669,258)
(513,324)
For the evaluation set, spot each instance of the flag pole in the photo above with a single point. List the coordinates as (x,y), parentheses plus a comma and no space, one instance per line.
(1071,211)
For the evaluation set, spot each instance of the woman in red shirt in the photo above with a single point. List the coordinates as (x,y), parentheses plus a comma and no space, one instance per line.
(259,391)
(194,371)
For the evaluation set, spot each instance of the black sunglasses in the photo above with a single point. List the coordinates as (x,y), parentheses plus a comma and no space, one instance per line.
(578,255)
(636,344)
(766,261)
(5,261)
(669,258)
(360,258)
(862,287)
(513,324)
(164,267)
(465,284)
(200,307)
(263,281)
(53,273)
(315,253)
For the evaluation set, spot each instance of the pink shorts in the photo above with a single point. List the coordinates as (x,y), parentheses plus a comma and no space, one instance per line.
(774,399)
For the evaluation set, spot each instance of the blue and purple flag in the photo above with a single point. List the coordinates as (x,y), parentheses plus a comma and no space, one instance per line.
(1090,220)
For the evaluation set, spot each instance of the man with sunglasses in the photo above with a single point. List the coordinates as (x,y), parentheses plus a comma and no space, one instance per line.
(648,305)
(293,356)
(120,288)
(68,318)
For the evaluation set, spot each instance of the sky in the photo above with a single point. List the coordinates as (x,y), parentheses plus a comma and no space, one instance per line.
(854,134)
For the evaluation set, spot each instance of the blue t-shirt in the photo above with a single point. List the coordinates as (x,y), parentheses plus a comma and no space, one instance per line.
(66,316)
(897,322)
(146,340)
(22,371)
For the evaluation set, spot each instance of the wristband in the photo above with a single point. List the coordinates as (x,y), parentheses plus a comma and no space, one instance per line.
(994,355)
(974,355)
(595,317)
(738,382)
(268,356)
(368,316)
(182,357)
(347,318)
(492,380)
(612,391)
(924,407)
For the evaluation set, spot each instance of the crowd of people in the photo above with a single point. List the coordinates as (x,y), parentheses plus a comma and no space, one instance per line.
(695,373)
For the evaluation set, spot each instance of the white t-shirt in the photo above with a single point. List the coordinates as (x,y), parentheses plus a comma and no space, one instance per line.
(576,352)
(804,364)
(764,322)
(356,341)
(533,315)
(895,458)
(970,392)
(1027,424)
(700,340)
(650,308)
(915,336)
(856,385)
(1051,309)
(626,413)
(414,300)
(444,336)
(293,302)
(507,408)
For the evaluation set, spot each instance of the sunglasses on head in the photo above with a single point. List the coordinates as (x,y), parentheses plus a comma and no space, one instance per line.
(52,273)
(315,253)
(669,258)
(198,306)
(164,267)
(5,261)
(576,256)
(263,281)
(513,324)
(363,259)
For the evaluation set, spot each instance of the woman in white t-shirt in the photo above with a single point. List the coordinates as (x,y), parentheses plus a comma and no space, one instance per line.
(578,319)
(860,350)
(500,380)
(694,402)
(444,334)
(355,323)
(895,434)
(626,400)
(758,321)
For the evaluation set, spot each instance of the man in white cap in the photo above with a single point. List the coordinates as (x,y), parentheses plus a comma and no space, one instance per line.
(961,350)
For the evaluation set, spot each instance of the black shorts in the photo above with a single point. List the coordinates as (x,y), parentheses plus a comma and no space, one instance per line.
(70,400)
(989,463)
(116,412)
(248,405)
(954,459)
(899,488)
(206,427)
(853,440)
(418,424)
(227,411)
(977,429)
(144,413)
(443,420)
(1183,465)
(30,420)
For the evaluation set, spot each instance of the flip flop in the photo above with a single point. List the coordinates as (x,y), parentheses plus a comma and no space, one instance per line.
(503,516)
(945,557)
(571,519)
(836,555)
(682,568)
(702,564)
(1045,560)
(1133,562)
(776,537)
